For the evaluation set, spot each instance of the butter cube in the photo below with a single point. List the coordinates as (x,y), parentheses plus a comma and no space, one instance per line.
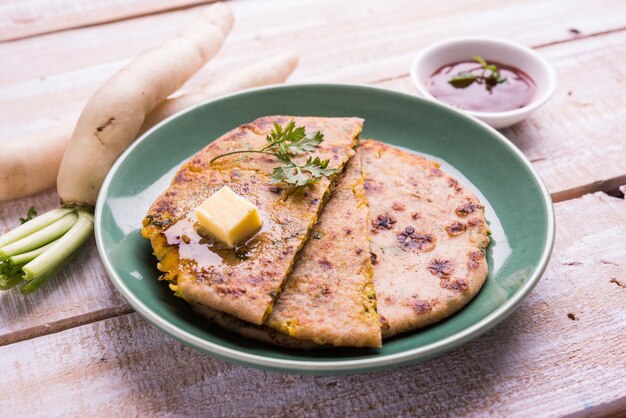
(229,217)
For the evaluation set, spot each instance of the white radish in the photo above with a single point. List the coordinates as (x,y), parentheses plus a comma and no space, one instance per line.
(270,71)
(30,164)
(108,124)
(115,113)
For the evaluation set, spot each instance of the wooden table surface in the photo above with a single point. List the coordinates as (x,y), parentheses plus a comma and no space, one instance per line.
(75,348)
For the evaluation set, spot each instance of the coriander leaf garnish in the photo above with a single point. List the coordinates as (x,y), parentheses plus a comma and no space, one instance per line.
(284,142)
(281,138)
(307,144)
(32,212)
(490,76)
(299,175)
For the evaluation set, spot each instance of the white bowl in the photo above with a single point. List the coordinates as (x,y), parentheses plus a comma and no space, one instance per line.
(502,51)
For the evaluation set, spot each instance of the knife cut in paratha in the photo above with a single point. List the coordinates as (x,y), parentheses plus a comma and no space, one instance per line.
(243,282)
(428,237)
(328,298)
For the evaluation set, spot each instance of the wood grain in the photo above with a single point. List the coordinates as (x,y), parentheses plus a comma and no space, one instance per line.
(561,352)
(19,19)
(74,348)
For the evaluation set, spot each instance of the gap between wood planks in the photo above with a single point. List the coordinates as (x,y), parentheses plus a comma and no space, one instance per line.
(579,35)
(64,324)
(612,187)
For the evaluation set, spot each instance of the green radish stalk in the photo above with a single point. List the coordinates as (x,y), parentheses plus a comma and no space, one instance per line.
(33,225)
(39,238)
(54,258)
(24,258)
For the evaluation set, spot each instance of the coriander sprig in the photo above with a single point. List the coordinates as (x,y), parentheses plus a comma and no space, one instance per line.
(490,76)
(299,175)
(283,143)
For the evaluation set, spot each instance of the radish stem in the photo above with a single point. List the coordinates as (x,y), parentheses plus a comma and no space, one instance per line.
(36,282)
(33,225)
(26,257)
(39,238)
(59,253)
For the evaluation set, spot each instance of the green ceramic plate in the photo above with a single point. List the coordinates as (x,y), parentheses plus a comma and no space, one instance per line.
(519,210)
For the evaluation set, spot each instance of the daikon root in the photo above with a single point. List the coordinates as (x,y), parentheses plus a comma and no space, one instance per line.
(44,150)
(30,164)
(124,106)
(270,71)
(115,113)
(38,249)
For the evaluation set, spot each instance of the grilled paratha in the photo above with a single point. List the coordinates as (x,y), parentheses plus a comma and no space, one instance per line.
(328,298)
(243,282)
(427,239)
(427,236)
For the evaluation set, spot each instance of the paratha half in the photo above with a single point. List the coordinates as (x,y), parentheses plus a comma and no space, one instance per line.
(243,282)
(328,298)
(428,237)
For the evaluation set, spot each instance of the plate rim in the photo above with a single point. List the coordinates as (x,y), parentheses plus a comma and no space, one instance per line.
(329,366)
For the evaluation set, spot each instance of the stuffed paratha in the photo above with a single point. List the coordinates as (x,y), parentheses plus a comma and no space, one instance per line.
(244,282)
